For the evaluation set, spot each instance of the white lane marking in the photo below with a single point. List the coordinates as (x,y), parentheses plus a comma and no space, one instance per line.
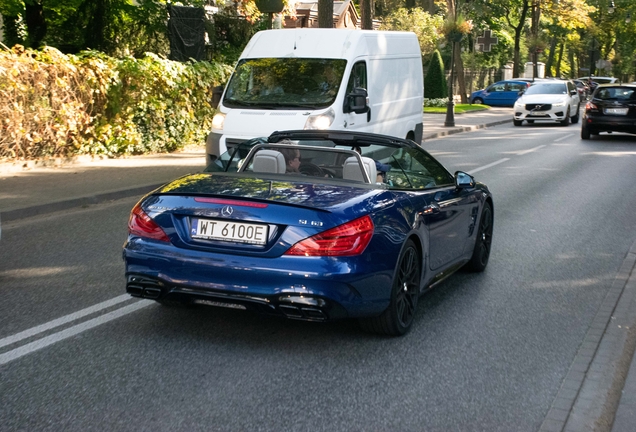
(563,137)
(71,331)
(530,150)
(488,166)
(63,320)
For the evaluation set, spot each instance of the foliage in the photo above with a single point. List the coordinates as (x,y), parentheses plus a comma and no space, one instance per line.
(54,104)
(427,27)
(457,25)
(435,81)
(440,106)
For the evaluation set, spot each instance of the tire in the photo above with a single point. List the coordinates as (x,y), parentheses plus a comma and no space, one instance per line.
(575,118)
(397,319)
(530,121)
(585,133)
(483,241)
(566,120)
(478,101)
(517,122)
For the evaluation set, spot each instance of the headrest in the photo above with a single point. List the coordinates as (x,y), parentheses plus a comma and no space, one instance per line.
(352,171)
(269,161)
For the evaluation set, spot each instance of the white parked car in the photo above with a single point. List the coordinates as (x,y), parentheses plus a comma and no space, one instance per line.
(548,101)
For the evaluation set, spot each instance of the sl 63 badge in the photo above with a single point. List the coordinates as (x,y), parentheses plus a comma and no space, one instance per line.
(312,223)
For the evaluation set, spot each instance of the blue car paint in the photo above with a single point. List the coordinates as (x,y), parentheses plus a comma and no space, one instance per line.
(499,98)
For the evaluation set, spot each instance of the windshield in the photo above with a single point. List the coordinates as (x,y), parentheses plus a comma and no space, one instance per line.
(553,88)
(285,83)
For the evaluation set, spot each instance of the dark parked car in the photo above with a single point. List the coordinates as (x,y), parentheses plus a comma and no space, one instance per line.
(502,93)
(612,108)
(311,225)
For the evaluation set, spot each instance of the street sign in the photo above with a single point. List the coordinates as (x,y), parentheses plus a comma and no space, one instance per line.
(486,41)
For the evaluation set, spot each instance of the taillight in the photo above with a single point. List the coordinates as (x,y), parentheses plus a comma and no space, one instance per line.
(348,239)
(590,107)
(140,224)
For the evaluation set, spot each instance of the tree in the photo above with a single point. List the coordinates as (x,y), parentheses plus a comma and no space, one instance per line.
(435,81)
(325,13)
(427,27)
(366,14)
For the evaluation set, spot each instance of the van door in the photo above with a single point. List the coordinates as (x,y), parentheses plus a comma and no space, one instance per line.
(357,79)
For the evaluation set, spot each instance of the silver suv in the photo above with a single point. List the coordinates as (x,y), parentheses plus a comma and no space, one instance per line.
(548,101)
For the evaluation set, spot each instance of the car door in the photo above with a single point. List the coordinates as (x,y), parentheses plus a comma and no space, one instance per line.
(494,94)
(446,210)
(512,92)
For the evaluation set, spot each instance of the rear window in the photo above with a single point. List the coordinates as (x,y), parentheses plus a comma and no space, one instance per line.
(615,93)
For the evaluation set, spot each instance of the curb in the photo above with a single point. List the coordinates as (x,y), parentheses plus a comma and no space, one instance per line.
(22,213)
(589,396)
(464,129)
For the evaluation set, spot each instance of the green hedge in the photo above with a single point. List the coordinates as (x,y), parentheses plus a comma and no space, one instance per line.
(52,104)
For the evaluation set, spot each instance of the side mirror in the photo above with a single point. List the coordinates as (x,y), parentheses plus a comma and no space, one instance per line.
(357,101)
(217,92)
(464,180)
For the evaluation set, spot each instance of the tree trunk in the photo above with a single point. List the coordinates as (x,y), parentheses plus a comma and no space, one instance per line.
(558,65)
(325,13)
(36,25)
(365,11)
(459,72)
(550,62)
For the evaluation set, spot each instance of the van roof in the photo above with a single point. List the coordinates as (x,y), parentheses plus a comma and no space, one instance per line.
(331,43)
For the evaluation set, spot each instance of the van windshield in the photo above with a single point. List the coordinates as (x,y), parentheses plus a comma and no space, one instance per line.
(285,83)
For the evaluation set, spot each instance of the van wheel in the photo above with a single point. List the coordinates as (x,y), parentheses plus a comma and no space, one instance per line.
(410,136)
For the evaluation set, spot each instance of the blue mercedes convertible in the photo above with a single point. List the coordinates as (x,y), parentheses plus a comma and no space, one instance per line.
(311,225)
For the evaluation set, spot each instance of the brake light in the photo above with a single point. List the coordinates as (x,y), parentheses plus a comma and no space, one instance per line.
(348,239)
(590,107)
(140,224)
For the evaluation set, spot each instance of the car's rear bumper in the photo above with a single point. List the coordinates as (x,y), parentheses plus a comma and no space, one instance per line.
(299,306)
(308,288)
(610,124)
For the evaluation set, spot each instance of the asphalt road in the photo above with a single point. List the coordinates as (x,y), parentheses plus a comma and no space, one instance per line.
(488,352)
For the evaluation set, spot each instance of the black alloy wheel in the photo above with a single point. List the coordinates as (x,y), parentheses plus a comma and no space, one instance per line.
(483,241)
(397,319)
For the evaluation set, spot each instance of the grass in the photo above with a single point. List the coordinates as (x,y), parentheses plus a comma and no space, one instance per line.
(459,108)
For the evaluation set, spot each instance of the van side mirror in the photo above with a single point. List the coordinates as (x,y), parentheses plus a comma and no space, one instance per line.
(357,101)
(217,92)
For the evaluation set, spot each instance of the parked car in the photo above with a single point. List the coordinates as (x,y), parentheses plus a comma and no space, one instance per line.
(612,108)
(600,79)
(548,101)
(325,241)
(583,88)
(502,93)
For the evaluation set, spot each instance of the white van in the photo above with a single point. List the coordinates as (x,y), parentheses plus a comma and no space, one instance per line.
(292,79)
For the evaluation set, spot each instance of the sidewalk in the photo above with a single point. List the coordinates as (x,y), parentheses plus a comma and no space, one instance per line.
(599,391)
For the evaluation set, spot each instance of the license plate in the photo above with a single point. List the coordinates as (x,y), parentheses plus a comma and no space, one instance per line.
(230,231)
(616,111)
